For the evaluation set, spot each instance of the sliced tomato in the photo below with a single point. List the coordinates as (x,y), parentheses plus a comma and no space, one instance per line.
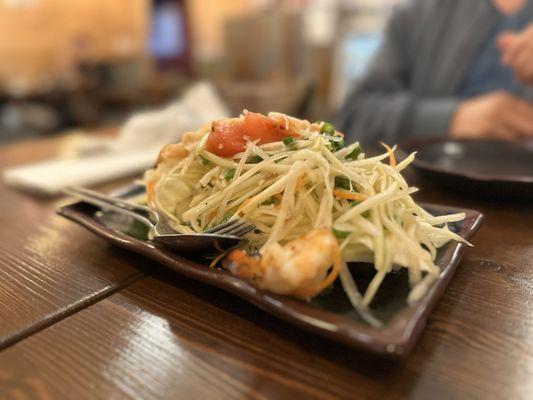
(228,137)
(264,129)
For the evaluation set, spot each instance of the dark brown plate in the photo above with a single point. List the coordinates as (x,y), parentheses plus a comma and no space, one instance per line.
(329,314)
(487,167)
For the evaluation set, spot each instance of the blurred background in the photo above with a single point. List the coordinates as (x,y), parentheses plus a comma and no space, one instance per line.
(68,65)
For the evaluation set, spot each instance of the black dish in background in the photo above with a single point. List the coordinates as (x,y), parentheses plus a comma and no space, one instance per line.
(489,168)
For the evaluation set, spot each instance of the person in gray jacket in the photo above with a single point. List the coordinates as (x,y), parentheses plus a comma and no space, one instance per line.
(462,68)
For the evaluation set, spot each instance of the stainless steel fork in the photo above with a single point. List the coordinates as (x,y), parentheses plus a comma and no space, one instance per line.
(220,238)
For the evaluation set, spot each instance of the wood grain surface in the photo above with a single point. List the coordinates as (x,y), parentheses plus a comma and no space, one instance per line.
(49,267)
(166,336)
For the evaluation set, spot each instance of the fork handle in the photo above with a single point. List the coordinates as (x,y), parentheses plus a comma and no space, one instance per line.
(104,202)
(75,190)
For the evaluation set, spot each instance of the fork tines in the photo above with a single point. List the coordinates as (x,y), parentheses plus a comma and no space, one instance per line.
(234,227)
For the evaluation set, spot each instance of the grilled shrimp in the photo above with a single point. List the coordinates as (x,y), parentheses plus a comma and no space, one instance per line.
(299,268)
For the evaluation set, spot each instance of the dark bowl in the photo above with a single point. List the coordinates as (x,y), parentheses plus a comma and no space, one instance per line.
(489,168)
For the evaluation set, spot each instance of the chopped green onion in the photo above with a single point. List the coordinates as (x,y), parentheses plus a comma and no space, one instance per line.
(288,140)
(229,174)
(366,214)
(338,144)
(342,182)
(254,160)
(204,160)
(340,234)
(335,142)
(327,128)
(225,218)
(354,153)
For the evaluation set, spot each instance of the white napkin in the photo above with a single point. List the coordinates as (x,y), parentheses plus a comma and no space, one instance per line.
(52,176)
(199,105)
(135,150)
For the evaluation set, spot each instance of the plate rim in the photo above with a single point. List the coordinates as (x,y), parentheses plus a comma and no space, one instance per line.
(407,146)
(395,340)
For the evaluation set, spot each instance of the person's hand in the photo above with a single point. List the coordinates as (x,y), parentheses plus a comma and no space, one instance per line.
(517,53)
(494,115)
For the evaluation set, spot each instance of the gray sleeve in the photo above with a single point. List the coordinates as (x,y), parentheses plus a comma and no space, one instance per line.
(380,105)
(430,116)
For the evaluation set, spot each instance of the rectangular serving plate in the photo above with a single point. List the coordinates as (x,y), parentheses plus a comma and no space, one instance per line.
(329,315)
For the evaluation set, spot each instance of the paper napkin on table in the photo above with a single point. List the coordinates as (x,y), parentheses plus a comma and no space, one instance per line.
(135,149)
(53,176)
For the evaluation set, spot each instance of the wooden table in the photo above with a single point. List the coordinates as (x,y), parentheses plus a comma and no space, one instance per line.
(81,319)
